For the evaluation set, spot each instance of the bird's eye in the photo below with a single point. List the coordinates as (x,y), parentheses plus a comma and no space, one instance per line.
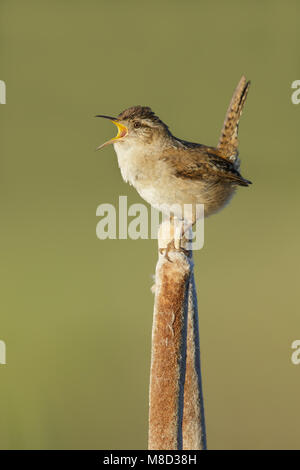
(137,125)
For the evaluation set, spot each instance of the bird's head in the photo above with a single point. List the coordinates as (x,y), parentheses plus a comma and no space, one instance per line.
(137,125)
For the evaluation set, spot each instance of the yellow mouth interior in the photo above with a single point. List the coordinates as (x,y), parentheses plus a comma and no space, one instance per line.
(122,130)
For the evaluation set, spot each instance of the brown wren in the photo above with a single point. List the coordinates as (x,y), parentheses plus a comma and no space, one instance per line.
(173,174)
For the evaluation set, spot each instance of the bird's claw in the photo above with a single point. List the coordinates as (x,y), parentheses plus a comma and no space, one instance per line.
(172,246)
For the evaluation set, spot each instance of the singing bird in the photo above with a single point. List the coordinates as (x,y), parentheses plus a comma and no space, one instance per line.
(174,175)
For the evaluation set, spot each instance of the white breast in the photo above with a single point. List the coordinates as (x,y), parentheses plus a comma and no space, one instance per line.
(126,162)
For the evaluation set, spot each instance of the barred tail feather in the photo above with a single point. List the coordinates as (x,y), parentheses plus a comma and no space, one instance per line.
(228,142)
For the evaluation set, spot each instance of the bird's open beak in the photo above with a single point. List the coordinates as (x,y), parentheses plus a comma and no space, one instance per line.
(122,131)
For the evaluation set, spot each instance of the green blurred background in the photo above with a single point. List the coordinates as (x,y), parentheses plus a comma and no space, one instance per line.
(76,312)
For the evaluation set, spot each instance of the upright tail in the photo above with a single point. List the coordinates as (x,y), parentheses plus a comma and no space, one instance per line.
(228,142)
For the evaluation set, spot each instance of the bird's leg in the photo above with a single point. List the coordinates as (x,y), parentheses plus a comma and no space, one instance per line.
(187,232)
(175,244)
(185,238)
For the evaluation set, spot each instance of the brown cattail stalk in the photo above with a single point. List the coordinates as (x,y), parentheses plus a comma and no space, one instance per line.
(175,380)
(168,352)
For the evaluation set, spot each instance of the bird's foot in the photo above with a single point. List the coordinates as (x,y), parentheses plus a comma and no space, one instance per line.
(174,237)
(173,245)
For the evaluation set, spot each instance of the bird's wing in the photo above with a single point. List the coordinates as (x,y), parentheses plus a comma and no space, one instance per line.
(203,163)
(228,142)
